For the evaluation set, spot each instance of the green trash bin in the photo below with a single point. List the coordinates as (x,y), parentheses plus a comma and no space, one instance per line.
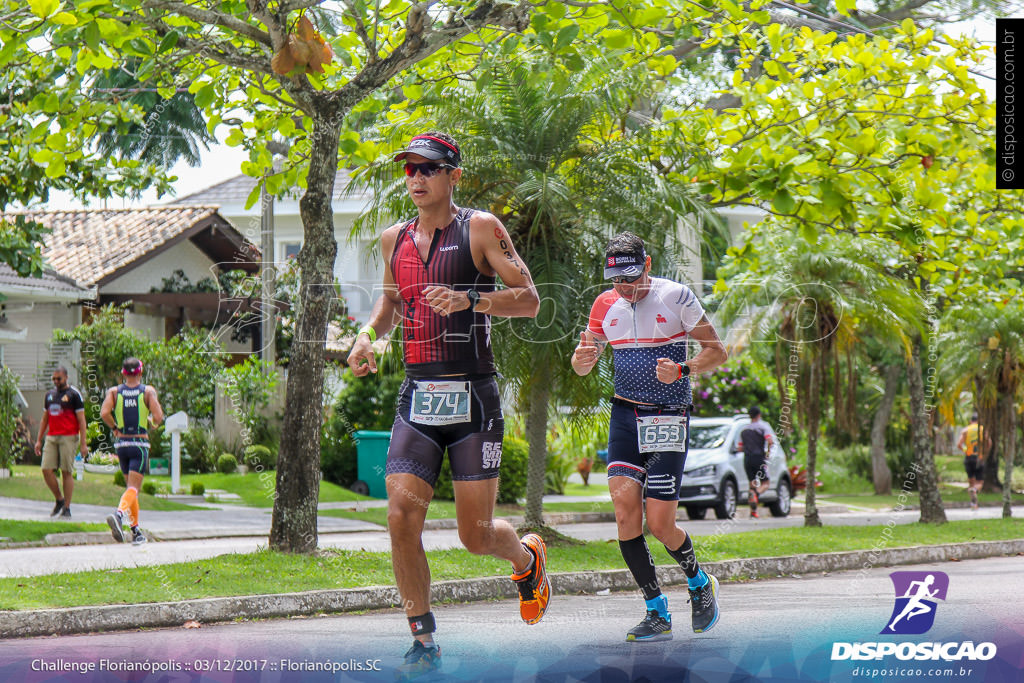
(371,454)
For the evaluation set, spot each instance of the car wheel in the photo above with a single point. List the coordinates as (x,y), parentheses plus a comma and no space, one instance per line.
(696,512)
(726,507)
(780,508)
(360,487)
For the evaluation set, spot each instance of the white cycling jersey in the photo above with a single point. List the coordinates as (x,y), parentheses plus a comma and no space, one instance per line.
(654,327)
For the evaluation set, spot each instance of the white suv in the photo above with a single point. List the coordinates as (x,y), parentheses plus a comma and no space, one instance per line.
(714,476)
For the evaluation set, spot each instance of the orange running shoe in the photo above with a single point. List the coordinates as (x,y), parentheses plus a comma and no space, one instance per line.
(534,589)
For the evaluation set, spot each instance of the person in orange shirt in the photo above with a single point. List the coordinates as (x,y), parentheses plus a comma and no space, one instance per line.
(974,443)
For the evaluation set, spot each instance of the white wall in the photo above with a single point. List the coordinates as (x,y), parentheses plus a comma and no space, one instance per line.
(34,358)
(182,256)
(357,266)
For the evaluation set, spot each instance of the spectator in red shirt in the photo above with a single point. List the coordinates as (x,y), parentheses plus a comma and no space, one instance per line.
(63,427)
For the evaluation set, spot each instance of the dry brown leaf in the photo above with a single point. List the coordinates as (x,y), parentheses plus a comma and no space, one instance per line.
(305,29)
(283,62)
(300,50)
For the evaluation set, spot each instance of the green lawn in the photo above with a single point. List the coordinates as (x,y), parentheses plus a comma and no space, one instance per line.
(270,572)
(96,489)
(18,531)
(949,495)
(256,489)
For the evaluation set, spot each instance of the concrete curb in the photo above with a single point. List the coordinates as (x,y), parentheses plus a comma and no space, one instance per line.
(207,610)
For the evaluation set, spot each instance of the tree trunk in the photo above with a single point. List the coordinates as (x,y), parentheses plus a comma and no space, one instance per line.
(992,428)
(539,394)
(880,474)
(293,527)
(811,517)
(924,457)
(1011,450)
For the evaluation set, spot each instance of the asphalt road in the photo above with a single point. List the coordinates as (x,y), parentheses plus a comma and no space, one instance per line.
(770,630)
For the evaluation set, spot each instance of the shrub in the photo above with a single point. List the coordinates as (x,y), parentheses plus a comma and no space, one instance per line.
(119,479)
(197,488)
(149,487)
(364,403)
(9,414)
(250,386)
(515,454)
(199,451)
(227,463)
(258,457)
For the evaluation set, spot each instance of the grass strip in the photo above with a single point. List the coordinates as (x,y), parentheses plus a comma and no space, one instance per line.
(95,489)
(20,531)
(271,572)
(256,489)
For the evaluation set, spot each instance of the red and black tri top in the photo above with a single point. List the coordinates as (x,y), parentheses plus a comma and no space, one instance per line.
(436,345)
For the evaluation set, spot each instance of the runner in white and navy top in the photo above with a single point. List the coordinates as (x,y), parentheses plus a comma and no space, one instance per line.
(647,321)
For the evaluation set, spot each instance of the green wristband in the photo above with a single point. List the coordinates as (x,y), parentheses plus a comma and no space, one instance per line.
(370,332)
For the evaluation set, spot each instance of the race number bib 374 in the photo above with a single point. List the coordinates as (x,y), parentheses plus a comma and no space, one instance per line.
(440,403)
(661,433)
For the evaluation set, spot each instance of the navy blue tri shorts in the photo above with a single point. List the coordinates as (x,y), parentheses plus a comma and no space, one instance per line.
(133,458)
(660,472)
(474,447)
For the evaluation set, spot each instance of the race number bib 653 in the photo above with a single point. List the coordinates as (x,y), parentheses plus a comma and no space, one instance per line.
(440,403)
(661,433)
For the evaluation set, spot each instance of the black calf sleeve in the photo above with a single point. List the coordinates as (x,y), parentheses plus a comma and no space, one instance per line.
(686,558)
(641,565)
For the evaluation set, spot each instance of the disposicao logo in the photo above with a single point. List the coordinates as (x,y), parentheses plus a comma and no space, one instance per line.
(916,595)
(914,614)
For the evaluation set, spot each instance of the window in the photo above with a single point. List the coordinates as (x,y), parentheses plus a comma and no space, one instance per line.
(290,250)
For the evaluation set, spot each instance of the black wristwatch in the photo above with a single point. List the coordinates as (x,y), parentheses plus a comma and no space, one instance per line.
(684,371)
(474,298)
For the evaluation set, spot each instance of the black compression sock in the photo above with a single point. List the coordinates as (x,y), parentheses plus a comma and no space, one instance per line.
(641,565)
(686,558)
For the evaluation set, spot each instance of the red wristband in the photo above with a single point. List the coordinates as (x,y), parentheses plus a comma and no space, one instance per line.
(680,372)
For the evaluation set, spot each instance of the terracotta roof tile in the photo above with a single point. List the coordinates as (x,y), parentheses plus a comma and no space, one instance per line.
(87,245)
(50,280)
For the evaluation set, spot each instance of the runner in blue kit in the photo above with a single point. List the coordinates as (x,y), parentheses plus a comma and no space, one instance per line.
(648,321)
(439,284)
(129,409)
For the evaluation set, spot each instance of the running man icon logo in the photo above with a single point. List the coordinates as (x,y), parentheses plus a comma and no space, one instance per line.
(916,593)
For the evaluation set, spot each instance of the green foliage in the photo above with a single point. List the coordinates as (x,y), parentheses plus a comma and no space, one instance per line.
(199,451)
(260,457)
(364,403)
(149,487)
(9,414)
(119,480)
(249,387)
(227,463)
(43,85)
(735,386)
(159,443)
(181,368)
(197,488)
(515,456)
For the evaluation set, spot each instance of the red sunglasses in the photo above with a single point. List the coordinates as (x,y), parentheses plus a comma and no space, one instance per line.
(429,169)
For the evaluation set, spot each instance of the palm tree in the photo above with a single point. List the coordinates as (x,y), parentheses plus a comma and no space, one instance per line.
(819,297)
(983,347)
(563,164)
(171,129)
